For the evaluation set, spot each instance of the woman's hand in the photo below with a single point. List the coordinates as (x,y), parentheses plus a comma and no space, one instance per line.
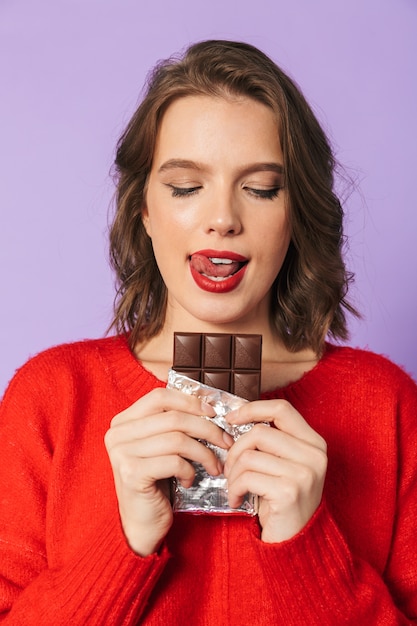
(147,444)
(285,466)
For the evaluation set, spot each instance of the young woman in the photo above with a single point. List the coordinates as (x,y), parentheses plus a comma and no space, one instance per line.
(226,221)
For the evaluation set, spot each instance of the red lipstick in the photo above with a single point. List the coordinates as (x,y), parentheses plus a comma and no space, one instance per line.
(217,271)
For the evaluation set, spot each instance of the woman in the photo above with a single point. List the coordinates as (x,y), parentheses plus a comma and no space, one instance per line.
(226,221)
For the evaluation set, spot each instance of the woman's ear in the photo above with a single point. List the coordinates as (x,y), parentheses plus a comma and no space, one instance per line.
(145,220)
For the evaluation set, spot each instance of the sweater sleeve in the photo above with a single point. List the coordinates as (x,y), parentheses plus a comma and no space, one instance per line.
(318,566)
(104,582)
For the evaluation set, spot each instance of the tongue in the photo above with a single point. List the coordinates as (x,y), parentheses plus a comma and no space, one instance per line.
(203,265)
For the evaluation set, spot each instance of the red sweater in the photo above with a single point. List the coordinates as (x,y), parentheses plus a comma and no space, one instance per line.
(64,559)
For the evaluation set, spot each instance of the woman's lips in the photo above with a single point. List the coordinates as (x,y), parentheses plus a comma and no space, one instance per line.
(217,271)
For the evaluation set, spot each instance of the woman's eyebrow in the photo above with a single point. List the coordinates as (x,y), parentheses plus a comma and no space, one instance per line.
(172,164)
(252,168)
(246,169)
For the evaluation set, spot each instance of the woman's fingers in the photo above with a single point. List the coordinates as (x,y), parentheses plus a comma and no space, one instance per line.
(165,447)
(161,400)
(270,477)
(284,464)
(147,475)
(185,415)
(277,444)
(282,414)
(149,442)
(172,421)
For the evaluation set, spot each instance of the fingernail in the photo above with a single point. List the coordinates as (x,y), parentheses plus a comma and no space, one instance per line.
(228,439)
(232,416)
(207,409)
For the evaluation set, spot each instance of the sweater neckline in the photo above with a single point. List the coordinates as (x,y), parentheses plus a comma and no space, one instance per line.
(131,376)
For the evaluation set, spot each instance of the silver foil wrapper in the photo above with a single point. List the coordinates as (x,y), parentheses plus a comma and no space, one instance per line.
(208,494)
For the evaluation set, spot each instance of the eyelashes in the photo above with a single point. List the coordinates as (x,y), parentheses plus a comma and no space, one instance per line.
(263,194)
(183,192)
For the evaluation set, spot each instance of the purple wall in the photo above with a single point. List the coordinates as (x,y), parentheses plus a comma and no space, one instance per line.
(71,72)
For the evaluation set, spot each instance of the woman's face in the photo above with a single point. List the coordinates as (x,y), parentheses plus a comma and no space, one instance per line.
(216,212)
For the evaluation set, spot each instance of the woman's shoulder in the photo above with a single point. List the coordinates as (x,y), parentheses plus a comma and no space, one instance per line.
(106,365)
(364,367)
(75,352)
(363,358)
(68,360)
(347,378)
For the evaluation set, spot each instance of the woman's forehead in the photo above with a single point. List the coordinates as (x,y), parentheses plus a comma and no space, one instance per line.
(200,126)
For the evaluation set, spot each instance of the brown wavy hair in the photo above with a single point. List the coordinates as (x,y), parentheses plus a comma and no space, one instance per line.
(309,294)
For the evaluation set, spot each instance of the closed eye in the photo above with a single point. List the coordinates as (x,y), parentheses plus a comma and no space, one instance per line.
(264,194)
(183,192)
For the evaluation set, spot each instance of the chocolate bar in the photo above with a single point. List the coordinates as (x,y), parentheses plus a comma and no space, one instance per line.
(209,494)
(229,362)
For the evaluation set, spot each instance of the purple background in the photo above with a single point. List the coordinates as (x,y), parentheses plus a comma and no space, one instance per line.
(71,74)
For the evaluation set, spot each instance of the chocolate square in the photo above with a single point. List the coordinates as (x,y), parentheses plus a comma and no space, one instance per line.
(187,350)
(231,362)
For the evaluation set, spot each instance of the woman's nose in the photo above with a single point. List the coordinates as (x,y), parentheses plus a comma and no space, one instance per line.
(223,215)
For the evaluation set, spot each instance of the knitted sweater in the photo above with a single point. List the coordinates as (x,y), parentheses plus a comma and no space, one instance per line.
(63,556)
